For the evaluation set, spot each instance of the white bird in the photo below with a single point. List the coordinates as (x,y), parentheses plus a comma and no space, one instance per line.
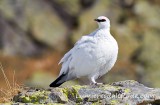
(92,56)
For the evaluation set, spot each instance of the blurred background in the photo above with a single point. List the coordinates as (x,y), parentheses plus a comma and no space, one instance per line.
(35,34)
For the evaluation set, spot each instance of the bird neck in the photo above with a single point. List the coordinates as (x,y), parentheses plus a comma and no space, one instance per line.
(104,28)
(104,25)
(102,32)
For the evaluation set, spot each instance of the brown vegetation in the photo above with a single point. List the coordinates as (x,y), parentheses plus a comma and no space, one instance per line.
(6,94)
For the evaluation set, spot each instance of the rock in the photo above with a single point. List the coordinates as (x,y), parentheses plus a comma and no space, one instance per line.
(71,7)
(149,18)
(38,19)
(127,92)
(86,20)
(23,23)
(149,57)
(13,40)
(46,26)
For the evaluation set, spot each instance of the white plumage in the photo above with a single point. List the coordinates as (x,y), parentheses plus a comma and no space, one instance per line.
(92,56)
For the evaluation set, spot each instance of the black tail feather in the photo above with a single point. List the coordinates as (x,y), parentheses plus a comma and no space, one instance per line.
(60,80)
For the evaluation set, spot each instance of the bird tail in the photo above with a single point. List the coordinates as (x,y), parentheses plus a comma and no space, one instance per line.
(60,80)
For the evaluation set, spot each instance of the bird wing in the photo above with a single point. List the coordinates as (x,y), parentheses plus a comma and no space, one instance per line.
(66,56)
(84,39)
(83,59)
(69,55)
(71,60)
(79,42)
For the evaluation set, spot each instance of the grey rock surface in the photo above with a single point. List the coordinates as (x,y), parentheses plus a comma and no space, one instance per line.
(127,92)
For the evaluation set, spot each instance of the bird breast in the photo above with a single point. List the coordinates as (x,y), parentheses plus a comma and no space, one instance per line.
(92,57)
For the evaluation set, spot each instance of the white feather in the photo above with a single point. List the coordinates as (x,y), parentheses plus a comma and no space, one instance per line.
(93,55)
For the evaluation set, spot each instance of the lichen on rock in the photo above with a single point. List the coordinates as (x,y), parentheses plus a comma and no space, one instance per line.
(127,92)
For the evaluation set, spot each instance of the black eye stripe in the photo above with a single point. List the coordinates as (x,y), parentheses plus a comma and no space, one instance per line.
(101,20)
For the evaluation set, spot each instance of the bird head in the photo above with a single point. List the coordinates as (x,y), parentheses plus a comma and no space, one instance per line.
(103,22)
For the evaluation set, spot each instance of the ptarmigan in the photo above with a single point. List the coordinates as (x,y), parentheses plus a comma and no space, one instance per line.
(92,56)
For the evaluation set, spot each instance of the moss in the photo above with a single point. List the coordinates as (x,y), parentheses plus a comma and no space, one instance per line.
(25,99)
(37,97)
(65,92)
(76,95)
(127,90)
(114,102)
(96,103)
(54,104)
(110,87)
(78,87)
(72,93)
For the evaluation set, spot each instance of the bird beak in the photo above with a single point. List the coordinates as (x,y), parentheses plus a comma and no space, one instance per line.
(95,19)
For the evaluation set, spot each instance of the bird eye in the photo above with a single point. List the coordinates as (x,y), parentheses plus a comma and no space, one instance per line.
(103,20)
(100,20)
